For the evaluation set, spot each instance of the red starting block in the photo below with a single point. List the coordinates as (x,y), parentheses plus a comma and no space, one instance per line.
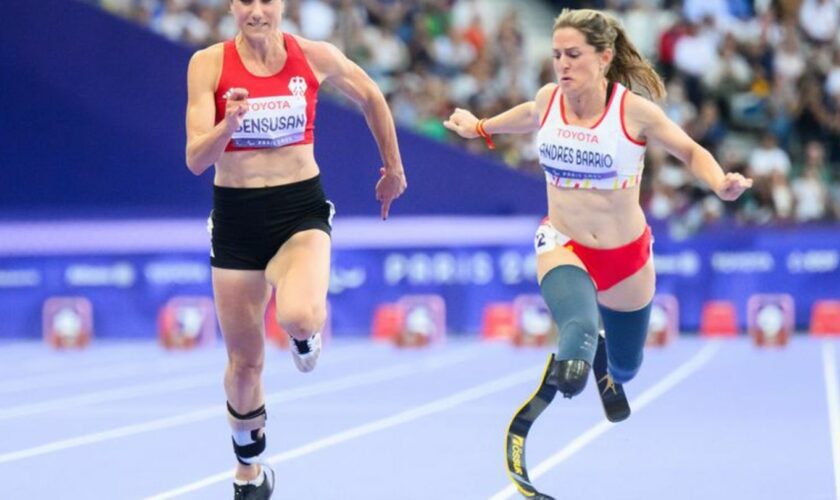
(535,325)
(825,318)
(387,322)
(664,324)
(424,322)
(186,322)
(275,333)
(67,322)
(770,319)
(498,321)
(718,319)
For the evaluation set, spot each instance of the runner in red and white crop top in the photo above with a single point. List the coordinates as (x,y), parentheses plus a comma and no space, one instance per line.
(270,226)
(281,106)
(602,156)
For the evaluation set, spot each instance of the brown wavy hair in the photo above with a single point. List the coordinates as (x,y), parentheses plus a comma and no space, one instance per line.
(604,31)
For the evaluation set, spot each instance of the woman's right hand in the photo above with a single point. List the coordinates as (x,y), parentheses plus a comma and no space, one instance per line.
(463,123)
(236,107)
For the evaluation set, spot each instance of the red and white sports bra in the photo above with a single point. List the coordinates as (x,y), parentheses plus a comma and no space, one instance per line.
(281,106)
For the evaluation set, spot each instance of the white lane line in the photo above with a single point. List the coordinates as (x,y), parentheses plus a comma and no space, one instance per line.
(403,417)
(157,363)
(42,360)
(648,396)
(204,379)
(832,394)
(74,375)
(216,410)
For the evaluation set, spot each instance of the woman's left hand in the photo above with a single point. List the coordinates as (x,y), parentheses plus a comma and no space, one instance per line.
(733,186)
(389,187)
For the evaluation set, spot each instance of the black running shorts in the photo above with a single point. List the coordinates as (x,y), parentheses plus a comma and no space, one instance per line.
(248,225)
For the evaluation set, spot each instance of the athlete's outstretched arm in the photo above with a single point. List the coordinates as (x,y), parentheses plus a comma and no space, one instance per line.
(516,120)
(354,83)
(520,119)
(657,128)
(205,141)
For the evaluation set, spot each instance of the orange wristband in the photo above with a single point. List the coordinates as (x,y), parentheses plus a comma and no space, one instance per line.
(479,129)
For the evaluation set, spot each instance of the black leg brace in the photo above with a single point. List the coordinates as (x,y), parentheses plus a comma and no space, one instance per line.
(248,434)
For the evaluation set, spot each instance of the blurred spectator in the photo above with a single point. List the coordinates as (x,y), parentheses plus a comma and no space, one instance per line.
(317,19)
(757,82)
(172,20)
(810,189)
(820,19)
(768,159)
(729,73)
(769,167)
(832,80)
(707,128)
(644,23)
(694,53)
(831,119)
(676,106)
(810,112)
(667,47)
(789,60)
(452,53)
(695,11)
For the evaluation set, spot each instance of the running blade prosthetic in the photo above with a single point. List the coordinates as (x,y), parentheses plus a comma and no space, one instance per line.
(520,425)
(612,394)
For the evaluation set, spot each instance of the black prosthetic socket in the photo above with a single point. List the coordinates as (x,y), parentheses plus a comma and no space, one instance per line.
(571,377)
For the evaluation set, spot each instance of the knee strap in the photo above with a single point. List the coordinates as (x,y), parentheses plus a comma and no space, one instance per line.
(248,434)
(570,295)
(626,332)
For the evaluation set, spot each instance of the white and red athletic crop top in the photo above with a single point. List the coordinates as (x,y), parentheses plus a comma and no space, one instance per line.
(282,106)
(602,156)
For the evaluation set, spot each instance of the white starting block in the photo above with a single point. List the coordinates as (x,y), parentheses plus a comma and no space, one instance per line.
(187,322)
(664,326)
(770,319)
(67,322)
(424,320)
(535,325)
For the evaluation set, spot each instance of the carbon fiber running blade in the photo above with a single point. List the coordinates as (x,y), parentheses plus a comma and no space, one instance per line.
(612,395)
(520,425)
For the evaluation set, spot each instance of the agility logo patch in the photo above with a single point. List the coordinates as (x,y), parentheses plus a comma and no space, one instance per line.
(297,85)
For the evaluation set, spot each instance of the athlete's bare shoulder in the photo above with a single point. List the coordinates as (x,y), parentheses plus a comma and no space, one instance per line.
(206,67)
(209,55)
(324,58)
(640,112)
(544,96)
(318,51)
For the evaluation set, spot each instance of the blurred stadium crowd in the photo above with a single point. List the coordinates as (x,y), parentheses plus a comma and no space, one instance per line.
(757,82)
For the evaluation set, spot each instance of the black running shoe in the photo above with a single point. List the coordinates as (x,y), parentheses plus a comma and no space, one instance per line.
(305,352)
(251,492)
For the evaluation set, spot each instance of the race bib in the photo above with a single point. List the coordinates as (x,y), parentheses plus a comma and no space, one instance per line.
(547,238)
(272,122)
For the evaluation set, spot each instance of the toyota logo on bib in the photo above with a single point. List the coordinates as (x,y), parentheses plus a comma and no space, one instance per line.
(297,85)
